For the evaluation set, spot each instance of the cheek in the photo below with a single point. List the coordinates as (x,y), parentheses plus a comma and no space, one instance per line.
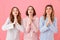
(32,11)
(50,11)
(46,11)
(13,13)
(17,12)
(28,11)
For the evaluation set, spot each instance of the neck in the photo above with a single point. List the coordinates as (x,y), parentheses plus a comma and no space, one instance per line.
(48,15)
(30,16)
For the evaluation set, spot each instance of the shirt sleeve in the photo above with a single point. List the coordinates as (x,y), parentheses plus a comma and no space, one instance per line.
(36,25)
(7,25)
(20,27)
(26,27)
(43,27)
(53,26)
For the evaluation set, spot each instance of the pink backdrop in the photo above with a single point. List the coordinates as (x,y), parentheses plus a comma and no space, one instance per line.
(6,5)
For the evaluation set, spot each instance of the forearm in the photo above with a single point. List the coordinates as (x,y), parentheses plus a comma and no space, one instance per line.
(8,26)
(35,28)
(27,28)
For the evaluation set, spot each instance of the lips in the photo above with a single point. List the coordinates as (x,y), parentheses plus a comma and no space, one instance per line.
(30,12)
(15,13)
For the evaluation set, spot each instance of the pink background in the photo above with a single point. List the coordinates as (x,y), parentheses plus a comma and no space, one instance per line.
(6,5)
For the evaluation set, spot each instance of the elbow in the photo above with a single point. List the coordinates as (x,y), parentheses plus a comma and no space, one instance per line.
(55,31)
(3,29)
(41,31)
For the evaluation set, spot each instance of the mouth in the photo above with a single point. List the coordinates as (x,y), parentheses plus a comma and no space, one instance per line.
(30,12)
(15,13)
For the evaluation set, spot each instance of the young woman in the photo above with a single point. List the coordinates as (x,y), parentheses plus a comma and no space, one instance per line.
(48,24)
(13,25)
(30,24)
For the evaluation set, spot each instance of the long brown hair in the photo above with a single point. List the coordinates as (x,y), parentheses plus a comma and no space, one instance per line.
(52,13)
(18,16)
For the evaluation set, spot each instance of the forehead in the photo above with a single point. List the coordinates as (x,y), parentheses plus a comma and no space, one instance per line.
(49,7)
(30,8)
(14,8)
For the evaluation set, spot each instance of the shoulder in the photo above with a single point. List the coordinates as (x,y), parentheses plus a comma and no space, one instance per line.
(25,19)
(8,18)
(42,18)
(36,18)
(55,19)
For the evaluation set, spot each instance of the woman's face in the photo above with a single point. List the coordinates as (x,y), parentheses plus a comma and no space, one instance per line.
(15,12)
(48,10)
(30,11)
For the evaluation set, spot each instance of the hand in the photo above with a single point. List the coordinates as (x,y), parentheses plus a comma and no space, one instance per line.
(15,20)
(30,18)
(28,28)
(47,23)
(48,20)
(29,21)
